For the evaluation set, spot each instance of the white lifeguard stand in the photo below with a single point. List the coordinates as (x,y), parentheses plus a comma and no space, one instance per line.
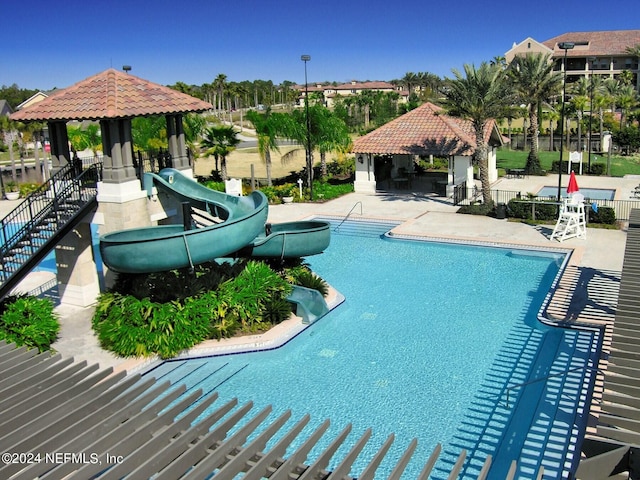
(233,186)
(575,157)
(572,222)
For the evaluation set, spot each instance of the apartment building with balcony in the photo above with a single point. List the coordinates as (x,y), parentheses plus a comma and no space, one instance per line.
(602,53)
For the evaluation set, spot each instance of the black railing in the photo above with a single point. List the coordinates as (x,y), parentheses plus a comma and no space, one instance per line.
(151,162)
(460,193)
(45,215)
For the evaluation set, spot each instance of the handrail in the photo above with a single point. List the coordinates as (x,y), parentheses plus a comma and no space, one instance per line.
(547,377)
(349,214)
(45,212)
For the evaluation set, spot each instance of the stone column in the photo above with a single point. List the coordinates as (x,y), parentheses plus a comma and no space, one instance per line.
(177,144)
(78,282)
(60,153)
(117,151)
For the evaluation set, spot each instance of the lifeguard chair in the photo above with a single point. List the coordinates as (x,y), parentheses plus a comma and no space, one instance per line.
(572,221)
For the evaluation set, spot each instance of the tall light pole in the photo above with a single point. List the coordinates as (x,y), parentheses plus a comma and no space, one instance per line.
(592,60)
(564,46)
(305,59)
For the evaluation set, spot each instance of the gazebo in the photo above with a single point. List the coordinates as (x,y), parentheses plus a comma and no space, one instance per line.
(112,98)
(423,132)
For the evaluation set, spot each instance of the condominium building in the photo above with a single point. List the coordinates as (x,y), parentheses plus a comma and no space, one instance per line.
(330,92)
(593,53)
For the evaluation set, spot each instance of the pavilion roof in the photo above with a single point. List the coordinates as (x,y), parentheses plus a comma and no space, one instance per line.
(109,95)
(426,130)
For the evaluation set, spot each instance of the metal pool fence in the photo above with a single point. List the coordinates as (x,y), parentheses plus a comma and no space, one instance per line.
(622,208)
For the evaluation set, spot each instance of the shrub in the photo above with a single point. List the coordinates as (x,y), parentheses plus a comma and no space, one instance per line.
(306,278)
(518,208)
(29,321)
(276,310)
(132,328)
(27,189)
(342,167)
(191,311)
(329,190)
(476,209)
(604,215)
(597,169)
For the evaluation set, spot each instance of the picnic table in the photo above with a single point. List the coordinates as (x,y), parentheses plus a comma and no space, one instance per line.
(516,173)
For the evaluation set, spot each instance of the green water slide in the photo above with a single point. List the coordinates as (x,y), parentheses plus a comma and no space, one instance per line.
(239,229)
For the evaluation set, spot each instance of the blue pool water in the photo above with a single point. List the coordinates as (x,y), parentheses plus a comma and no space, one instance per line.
(48,263)
(590,193)
(429,337)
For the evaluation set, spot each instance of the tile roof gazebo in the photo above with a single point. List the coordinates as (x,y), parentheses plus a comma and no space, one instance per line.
(424,131)
(113,98)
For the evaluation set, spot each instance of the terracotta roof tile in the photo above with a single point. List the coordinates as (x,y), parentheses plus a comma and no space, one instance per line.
(613,42)
(111,94)
(425,130)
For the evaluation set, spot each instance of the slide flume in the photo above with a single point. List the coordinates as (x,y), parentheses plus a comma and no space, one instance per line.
(243,230)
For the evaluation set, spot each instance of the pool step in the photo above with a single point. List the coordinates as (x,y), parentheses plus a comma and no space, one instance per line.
(360,228)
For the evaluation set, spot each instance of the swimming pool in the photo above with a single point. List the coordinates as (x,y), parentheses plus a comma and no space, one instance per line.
(590,193)
(428,340)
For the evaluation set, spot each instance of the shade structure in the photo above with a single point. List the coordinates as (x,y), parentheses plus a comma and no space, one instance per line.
(573,184)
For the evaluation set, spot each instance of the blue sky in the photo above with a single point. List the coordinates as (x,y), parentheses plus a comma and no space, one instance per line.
(55,44)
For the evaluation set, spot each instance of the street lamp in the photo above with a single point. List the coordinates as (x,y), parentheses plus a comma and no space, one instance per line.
(564,46)
(592,60)
(305,59)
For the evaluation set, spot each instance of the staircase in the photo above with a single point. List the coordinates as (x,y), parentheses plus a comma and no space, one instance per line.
(32,230)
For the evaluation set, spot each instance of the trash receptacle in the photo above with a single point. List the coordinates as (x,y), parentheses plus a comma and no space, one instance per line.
(501,211)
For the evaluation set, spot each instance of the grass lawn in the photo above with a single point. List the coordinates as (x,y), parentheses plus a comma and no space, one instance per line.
(620,166)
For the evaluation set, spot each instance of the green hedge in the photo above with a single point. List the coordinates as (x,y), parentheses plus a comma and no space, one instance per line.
(604,215)
(517,208)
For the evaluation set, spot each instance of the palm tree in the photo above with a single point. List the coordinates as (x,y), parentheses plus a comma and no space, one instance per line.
(552,115)
(327,133)
(535,83)
(219,87)
(610,89)
(333,138)
(634,52)
(580,100)
(268,127)
(220,141)
(479,97)
(627,99)
(510,113)
(193,125)
(410,80)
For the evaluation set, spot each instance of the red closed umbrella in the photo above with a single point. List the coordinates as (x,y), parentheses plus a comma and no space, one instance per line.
(573,184)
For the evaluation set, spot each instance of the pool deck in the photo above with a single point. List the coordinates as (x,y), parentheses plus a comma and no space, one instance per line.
(421,215)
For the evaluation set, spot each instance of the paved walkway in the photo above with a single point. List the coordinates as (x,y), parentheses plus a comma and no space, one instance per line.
(420,215)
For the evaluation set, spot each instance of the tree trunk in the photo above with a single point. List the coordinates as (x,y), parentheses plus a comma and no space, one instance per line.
(579,149)
(223,168)
(323,165)
(533,159)
(481,153)
(267,161)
